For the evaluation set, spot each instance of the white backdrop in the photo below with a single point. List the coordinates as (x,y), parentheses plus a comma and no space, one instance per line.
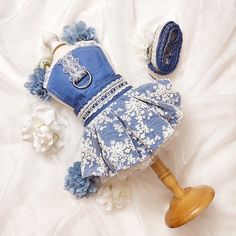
(32,199)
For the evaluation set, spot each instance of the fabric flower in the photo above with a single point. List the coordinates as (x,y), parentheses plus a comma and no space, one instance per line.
(113,195)
(44,130)
(79,186)
(141,43)
(78,32)
(35,83)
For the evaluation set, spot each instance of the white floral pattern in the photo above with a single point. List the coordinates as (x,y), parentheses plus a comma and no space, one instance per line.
(130,129)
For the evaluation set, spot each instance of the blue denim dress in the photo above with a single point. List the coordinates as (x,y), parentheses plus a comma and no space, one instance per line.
(124,126)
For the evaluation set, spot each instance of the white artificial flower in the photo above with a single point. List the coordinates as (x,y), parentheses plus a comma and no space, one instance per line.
(113,195)
(141,42)
(44,130)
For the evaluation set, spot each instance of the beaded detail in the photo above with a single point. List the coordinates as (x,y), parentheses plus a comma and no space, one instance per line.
(102,98)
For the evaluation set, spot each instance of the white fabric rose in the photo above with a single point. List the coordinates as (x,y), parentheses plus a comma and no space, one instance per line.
(113,195)
(44,130)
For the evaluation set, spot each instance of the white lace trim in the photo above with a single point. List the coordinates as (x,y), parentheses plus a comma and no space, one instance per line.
(102,98)
(77,45)
(46,78)
(153,46)
(87,43)
(71,66)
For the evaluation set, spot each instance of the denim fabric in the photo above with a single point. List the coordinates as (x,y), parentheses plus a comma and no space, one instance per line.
(106,105)
(93,58)
(123,125)
(131,129)
(168,49)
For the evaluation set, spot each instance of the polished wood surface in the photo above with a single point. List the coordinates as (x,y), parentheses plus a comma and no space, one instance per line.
(186,203)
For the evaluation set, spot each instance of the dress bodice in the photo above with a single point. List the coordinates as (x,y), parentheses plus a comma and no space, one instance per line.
(84,79)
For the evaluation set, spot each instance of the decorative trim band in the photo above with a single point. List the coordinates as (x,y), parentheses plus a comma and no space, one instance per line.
(103,97)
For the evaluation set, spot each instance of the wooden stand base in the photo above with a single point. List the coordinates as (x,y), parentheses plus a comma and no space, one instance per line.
(187,203)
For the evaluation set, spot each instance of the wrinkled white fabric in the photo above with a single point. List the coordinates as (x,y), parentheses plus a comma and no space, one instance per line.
(32,199)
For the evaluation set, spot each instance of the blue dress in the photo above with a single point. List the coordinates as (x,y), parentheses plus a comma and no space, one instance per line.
(124,125)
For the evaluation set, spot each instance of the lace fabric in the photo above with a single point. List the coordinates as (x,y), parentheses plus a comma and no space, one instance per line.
(80,44)
(72,66)
(130,130)
(102,98)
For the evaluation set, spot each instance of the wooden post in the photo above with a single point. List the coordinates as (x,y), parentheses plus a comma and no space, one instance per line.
(186,203)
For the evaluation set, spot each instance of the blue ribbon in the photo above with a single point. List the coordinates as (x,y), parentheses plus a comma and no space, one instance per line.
(167,49)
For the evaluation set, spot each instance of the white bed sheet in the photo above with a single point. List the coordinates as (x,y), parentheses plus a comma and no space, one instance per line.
(32,199)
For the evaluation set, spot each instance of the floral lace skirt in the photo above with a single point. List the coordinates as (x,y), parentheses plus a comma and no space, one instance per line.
(130,129)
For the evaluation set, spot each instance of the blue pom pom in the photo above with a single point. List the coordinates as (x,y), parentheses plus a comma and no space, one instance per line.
(35,84)
(80,187)
(78,32)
